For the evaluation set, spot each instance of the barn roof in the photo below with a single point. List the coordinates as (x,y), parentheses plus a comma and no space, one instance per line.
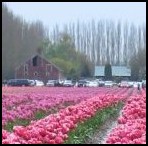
(121,71)
(116,71)
(99,70)
(40,57)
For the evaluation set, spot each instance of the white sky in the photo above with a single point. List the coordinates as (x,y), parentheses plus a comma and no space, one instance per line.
(61,13)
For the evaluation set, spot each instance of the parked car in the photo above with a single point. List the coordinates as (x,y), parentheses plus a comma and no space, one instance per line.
(19,82)
(135,84)
(143,83)
(101,83)
(68,83)
(32,82)
(82,83)
(12,82)
(108,84)
(39,83)
(92,84)
(52,83)
(131,84)
(4,83)
(124,84)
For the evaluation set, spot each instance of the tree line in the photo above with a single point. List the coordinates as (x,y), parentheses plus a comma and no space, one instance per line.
(105,41)
(19,41)
(77,48)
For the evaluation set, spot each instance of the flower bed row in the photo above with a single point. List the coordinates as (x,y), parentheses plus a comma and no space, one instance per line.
(55,127)
(131,127)
(26,104)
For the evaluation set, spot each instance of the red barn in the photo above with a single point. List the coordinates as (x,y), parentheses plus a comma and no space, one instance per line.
(38,68)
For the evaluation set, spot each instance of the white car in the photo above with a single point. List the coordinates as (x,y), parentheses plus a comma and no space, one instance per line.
(136,84)
(92,84)
(39,83)
(51,83)
(124,84)
(68,83)
(143,83)
(108,84)
(131,83)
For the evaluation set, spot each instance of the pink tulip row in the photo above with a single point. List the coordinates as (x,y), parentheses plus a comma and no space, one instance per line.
(25,103)
(131,127)
(54,128)
(38,90)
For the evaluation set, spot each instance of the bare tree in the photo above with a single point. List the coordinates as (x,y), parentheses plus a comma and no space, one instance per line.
(112,27)
(93,34)
(108,41)
(132,41)
(98,42)
(144,35)
(118,38)
(125,47)
(78,36)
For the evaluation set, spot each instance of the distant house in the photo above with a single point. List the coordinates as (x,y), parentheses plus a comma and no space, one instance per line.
(117,71)
(38,68)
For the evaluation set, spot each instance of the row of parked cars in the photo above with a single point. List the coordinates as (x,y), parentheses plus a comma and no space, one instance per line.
(71,83)
(140,84)
(52,83)
(101,83)
(24,82)
(28,82)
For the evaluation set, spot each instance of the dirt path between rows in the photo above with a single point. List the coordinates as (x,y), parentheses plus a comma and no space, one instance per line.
(100,136)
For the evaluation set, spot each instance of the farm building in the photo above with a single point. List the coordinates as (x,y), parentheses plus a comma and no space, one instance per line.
(99,71)
(117,71)
(38,68)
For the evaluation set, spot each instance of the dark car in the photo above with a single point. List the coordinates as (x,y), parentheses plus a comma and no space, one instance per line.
(32,82)
(4,83)
(19,82)
(82,83)
(54,83)
(101,83)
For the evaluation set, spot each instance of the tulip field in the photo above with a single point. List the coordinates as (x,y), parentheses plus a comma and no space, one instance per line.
(55,115)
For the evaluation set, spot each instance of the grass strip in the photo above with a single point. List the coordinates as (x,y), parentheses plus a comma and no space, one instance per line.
(21,122)
(86,129)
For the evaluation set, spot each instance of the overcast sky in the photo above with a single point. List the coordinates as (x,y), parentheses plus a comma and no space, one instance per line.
(61,13)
